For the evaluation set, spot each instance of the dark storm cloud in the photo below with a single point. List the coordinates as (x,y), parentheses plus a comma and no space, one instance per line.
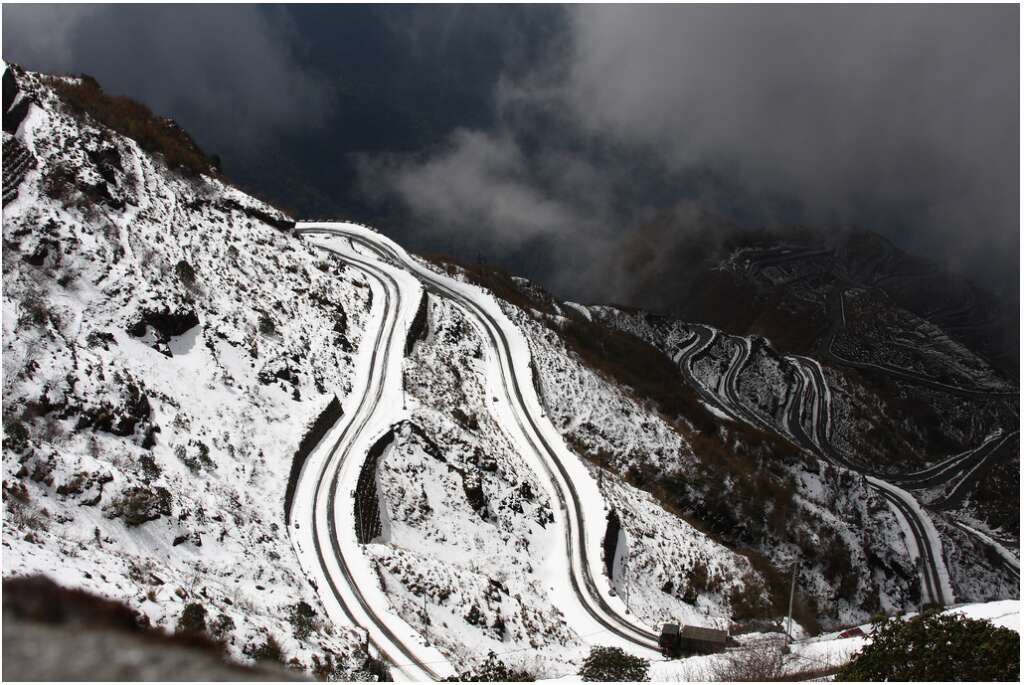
(544,136)
(230,74)
(903,119)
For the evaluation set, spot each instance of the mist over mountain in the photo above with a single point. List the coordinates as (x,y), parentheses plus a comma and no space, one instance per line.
(511,132)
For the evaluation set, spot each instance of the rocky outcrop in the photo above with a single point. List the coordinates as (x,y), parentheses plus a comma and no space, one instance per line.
(418,327)
(15,108)
(327,418)
(164,323)
(611,541)
(18,160)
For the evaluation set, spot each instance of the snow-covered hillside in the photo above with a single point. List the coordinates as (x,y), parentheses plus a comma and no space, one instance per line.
(164,349)
(344,452)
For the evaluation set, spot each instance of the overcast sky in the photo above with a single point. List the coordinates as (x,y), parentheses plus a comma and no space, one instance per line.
(541,137)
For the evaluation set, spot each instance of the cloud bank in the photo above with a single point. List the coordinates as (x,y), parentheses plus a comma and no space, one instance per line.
(229,74)
(902,119)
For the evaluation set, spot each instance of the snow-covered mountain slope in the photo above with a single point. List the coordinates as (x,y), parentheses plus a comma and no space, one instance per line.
(164,350)
(734,467)
(341,451)
(766,500)
(791,395)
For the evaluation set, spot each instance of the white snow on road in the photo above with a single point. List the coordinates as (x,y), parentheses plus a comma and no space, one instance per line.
(502,373)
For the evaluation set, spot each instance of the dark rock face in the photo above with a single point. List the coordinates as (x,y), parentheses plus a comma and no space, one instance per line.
(15,115)
(611,541)
(165,323)
(367,502)
(14,112)
(10,88)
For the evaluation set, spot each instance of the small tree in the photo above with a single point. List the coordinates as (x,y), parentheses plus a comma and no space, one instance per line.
(192,619)
(303,620)
(492,671)
(611,664)
(935,647)
(268,650)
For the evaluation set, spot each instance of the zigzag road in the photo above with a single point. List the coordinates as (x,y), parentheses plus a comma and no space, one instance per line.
(812,386)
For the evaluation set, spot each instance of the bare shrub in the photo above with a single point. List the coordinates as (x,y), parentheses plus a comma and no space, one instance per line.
(756,662)
(21,511)
(134,120)
(37,311)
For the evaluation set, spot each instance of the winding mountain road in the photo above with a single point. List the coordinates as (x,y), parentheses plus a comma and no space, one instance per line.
(322,531)
(570,484)
(955,475)
(813,395)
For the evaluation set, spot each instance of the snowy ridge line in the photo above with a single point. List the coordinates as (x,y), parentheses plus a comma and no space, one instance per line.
(354,595)
(567,478)
(583,311)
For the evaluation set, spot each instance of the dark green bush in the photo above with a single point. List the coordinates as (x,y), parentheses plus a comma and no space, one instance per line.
(937,647)
(266,325)
(611,664)
(138,505)
(15,434)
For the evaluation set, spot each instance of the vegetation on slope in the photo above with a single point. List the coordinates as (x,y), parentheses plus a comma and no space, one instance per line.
(157,135)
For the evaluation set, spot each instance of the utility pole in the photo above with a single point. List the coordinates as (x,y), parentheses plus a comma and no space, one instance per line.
(792,591)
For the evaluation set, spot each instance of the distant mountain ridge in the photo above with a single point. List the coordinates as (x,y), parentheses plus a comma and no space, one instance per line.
(780,291)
